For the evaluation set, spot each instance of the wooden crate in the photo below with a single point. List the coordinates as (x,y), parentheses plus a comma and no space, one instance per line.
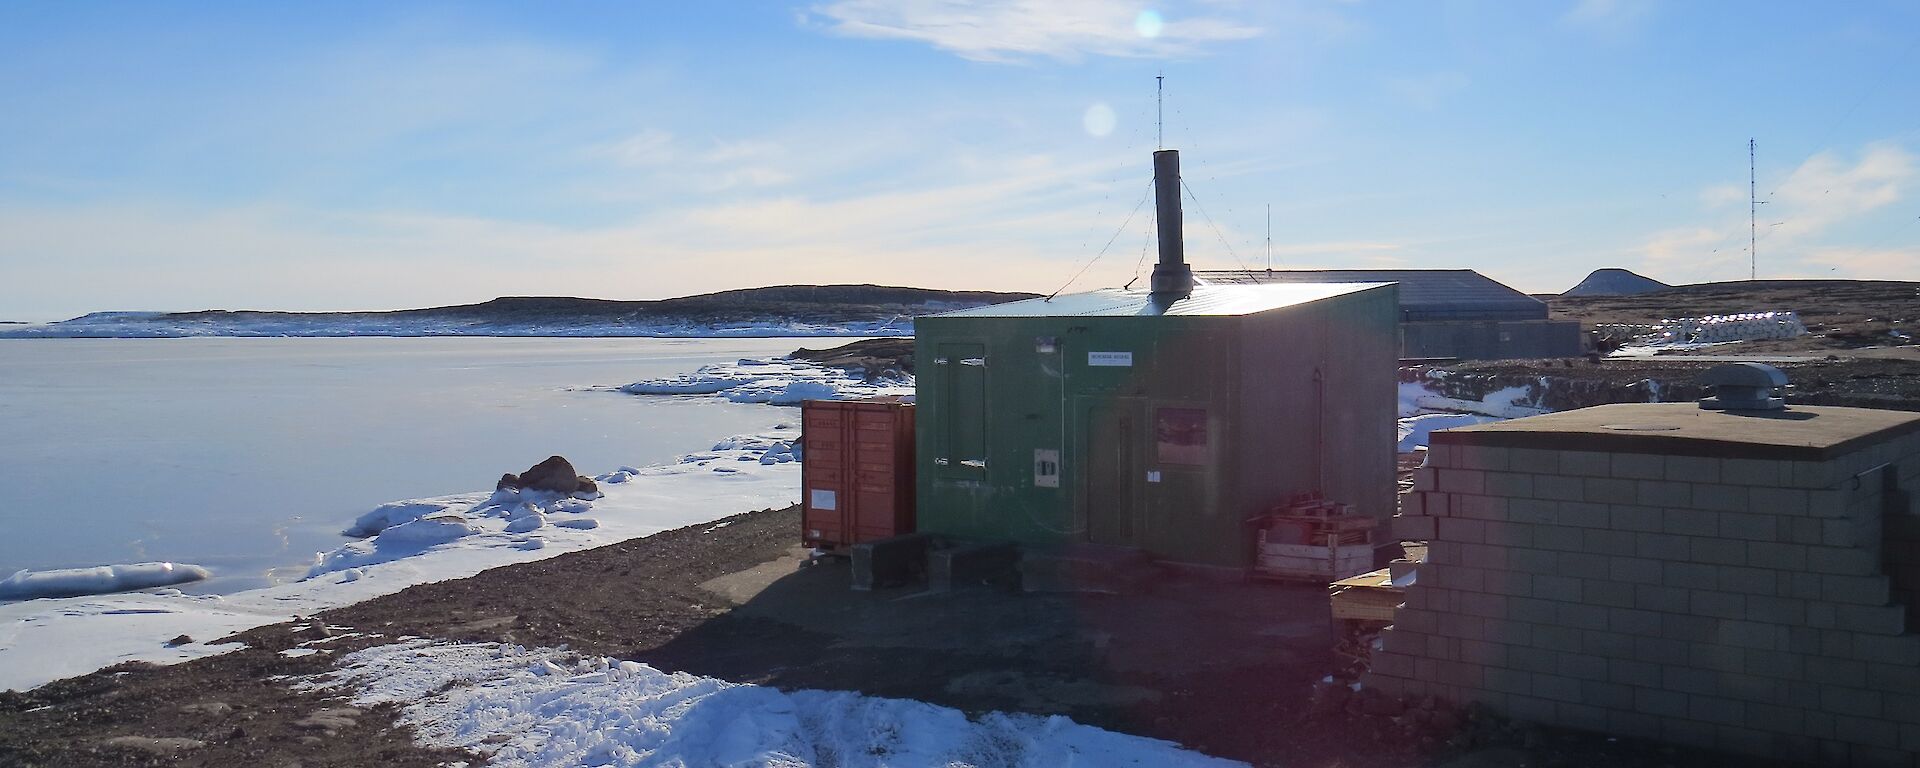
(1369,596)
(1317,562)
(1311,539)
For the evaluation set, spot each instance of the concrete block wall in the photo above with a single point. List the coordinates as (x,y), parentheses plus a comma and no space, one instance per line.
(1901,533)
(1727,603)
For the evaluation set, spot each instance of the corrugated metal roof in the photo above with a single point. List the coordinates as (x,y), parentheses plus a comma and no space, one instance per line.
(1425,294)
(1206,300)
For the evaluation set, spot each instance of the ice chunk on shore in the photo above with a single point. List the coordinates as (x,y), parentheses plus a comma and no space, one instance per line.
(776,382)
(425,532)
(541,707)
(388,515)
(74,582)
(403,540)
(526,523)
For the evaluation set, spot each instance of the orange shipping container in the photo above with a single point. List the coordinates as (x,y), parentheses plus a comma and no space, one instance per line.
(856,475)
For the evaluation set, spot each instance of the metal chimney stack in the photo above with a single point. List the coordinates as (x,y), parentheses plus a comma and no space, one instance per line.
(1172,278)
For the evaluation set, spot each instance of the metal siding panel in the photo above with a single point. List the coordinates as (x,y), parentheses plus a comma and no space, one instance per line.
(1425,294)
(1206,300)
(823,469)
(877,471)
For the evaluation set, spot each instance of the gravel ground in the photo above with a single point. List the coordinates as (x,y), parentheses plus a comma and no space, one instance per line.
(1224,667)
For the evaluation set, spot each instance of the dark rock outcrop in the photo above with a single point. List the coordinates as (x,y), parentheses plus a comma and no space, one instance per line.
(555,474)
(1615,282)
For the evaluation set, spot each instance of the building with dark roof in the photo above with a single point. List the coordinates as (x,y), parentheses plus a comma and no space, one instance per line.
(1444,313)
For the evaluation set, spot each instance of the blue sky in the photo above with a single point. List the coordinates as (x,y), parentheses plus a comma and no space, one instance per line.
(399,154)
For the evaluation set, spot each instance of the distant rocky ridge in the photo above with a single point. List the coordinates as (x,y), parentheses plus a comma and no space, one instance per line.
(1615,282)
(787,310)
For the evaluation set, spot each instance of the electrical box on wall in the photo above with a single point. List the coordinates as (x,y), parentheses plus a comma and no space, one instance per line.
(1046,468)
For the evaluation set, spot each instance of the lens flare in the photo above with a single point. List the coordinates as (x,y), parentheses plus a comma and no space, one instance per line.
(1098,120)
(1148,23)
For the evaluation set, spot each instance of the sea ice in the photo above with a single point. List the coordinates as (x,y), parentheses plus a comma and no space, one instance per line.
(140,325)
(74,582)
(49,639)
(776,382)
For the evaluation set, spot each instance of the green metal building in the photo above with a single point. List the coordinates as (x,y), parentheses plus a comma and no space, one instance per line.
(1159,420)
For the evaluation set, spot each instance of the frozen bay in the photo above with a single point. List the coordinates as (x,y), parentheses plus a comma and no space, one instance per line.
(249,455)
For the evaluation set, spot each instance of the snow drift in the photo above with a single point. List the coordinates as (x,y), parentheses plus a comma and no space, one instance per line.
(74,582)
(547,707)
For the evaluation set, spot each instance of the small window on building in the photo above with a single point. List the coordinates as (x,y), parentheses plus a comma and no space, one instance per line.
(1180,435)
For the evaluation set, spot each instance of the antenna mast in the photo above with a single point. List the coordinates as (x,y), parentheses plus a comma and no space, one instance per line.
(1753,207)
(1159,112)
(1269,237)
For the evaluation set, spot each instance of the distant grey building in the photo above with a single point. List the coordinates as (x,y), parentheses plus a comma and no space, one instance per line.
(1445,313)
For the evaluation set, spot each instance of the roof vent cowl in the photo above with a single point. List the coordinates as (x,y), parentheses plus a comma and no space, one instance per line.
(1743,387)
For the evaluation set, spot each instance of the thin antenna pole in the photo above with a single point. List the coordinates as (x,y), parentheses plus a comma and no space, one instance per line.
(1269,237)
(1159,112)
(1753,208)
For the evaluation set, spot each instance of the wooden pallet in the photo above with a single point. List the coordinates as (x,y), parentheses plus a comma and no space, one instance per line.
(1313,540)
(1367,597)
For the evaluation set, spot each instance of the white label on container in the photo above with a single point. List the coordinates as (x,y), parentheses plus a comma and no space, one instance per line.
(1110,359)
(822,499)
(1153,475)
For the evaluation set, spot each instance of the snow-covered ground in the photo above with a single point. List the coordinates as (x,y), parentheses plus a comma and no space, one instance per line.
(142,325)
(415,542)
(1423,410)
(1416,431)
(778,381)
(549,707)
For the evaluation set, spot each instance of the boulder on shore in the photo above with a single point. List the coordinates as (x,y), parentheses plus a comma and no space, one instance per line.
(555,474)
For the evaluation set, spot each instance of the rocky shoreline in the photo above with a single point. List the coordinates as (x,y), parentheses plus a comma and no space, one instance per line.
(732,599)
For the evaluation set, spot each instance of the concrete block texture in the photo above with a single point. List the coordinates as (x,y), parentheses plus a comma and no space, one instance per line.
(1586,463)
(1638,466)
(1691,469)
(1735,604)
(1413,527)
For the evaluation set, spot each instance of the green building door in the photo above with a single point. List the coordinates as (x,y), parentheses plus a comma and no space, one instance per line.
(1110,500)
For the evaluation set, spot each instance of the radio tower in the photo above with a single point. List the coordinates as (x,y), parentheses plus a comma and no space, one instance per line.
(1753,208)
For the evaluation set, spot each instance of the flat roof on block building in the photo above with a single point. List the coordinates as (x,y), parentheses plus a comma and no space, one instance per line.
(1799,433)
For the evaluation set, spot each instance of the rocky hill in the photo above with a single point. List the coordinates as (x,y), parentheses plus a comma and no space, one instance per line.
(786,310)
(1615,282)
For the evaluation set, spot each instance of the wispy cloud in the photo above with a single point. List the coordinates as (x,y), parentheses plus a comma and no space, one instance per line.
(648,147)
(1426,91)
(1016,30)
(1825,198)
(283,257)
(720,166)
(1871,263)
(1825,190)
(1608,17)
